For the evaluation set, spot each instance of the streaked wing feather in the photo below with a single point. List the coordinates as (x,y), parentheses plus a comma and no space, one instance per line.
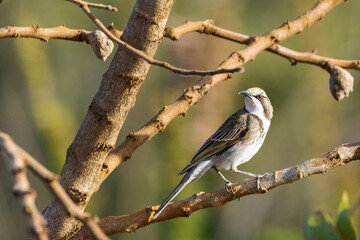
(222,139)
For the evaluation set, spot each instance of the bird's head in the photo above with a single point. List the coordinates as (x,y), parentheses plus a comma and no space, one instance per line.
(257,102)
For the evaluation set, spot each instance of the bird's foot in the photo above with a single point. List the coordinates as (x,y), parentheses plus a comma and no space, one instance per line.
(259,187)
(228,185)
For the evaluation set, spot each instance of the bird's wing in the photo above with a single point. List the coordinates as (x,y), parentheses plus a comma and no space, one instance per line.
(231,132)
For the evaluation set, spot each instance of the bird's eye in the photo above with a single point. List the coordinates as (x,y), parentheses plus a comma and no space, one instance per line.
(259,96)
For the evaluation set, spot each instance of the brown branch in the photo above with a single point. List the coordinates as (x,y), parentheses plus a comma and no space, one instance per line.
(208,27)
(44,34)
(193,94)
(81,3)
(100,43)
(20,160)
(22,188)
(85,8)
(129,223)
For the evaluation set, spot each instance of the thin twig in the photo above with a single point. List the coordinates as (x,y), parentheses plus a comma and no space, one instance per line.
(23,190)
(22,159)
(129,223)
(81,3)
(148,59)
(208,27)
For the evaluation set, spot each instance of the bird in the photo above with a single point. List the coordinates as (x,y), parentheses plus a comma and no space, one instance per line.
(235,142)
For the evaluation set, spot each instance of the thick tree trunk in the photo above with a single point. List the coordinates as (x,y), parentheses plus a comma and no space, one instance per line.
(107,113)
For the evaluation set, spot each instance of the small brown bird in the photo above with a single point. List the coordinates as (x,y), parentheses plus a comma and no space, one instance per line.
(236,141)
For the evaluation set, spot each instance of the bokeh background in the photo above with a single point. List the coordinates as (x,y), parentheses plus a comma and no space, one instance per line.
(46,88)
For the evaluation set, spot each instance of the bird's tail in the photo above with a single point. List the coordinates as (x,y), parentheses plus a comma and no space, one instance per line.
(185,181)
(192,174)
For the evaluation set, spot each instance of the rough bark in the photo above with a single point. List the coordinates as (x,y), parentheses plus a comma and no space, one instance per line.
(107,113)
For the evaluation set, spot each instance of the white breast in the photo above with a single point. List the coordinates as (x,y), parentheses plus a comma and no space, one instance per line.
(242,151)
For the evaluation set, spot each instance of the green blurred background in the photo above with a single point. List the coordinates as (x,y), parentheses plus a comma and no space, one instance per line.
(46,88)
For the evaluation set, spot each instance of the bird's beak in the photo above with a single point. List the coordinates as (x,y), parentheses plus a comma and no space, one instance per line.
(246,93)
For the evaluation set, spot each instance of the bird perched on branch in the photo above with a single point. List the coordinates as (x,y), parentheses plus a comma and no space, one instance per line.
(236,141)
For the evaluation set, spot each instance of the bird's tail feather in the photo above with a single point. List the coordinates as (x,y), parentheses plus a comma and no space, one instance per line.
(185,181)
(192,174)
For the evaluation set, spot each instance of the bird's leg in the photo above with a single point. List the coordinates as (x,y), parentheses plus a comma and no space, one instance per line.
(243,172)
(227,182)
(257,176)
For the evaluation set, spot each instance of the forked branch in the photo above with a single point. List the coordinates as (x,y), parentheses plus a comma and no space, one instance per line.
(19,161)
(22,188)
(85,7)
(208,27)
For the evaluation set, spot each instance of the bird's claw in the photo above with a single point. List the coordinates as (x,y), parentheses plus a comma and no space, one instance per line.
(258,183)
(228,185)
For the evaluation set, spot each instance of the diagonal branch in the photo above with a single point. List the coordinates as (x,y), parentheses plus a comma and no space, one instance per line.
(129,223)
(194,93)
(85,7)
(208,27)
(22,188)
(20,160)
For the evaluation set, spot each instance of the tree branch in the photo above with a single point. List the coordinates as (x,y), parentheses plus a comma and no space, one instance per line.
(100,43)
(22,188)
(85,8)
(205,27)
(44,34)
(194,93)
(20,160)
(208,27)
(129,223)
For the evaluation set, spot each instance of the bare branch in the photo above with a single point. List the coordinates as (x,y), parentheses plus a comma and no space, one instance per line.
(208,27)
(148,59)
(193,94)
(20,160)
(129,223)
(100,43)
(22,188)
(44,34)
(81,3)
